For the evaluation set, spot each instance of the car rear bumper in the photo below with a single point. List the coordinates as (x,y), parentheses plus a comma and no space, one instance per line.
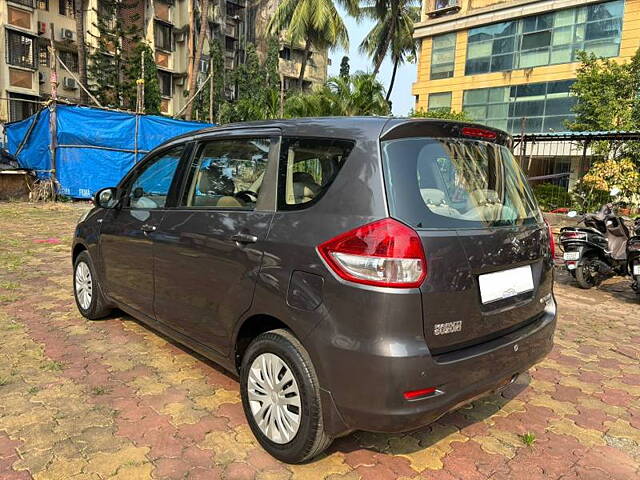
(368,395)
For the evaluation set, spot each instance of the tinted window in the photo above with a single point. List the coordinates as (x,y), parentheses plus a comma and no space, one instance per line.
(307,168)
(228,173)
(150,186)
(454,183)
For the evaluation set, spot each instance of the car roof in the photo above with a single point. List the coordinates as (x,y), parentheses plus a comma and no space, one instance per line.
(333,127)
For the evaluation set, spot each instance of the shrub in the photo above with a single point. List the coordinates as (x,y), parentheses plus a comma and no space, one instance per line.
(551,196)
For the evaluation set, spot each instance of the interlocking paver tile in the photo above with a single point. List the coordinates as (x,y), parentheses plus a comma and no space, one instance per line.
(112,399)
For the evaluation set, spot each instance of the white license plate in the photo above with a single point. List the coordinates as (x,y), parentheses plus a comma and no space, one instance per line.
(636,269)
(571,255)
(507,283)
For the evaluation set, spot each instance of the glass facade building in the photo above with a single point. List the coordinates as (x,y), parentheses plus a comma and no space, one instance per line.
(547,39)
(544,106)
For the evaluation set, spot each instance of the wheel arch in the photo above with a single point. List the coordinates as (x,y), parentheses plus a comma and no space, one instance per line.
(250,328)
(78,248)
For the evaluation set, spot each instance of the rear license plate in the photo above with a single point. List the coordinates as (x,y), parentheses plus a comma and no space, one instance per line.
(636,269)
(571,255)
(507,283)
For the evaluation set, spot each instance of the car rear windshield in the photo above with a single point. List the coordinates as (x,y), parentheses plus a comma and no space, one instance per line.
(456,183)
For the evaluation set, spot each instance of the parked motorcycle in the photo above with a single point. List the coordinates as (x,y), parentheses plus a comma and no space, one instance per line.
(633,256)
(598,250)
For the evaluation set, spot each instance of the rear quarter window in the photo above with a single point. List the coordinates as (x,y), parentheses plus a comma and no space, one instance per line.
(307,168)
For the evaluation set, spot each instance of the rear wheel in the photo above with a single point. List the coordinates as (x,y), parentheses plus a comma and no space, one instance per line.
(87,291)
(587,274)
(281,397)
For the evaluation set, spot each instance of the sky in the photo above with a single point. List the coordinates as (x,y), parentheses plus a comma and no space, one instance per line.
(401,97)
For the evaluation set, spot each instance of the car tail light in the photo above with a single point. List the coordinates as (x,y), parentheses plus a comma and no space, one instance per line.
(479,133)
(385,253)
(415,394)
(552,243)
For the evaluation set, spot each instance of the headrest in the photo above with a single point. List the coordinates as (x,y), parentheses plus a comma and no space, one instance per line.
(432,196)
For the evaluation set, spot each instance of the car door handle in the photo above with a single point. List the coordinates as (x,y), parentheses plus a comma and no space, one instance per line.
(244,238)
(146,228)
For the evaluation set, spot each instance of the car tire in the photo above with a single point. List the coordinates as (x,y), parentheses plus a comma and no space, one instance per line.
(87,289)
(276,354)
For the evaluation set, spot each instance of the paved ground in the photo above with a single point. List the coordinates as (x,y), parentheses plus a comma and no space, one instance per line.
(111,399)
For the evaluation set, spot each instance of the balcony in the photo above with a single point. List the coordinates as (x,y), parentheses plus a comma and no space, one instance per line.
(24,3)
(444,7)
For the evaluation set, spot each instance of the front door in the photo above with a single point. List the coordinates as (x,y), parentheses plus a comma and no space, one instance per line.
(209,249)
(127,234)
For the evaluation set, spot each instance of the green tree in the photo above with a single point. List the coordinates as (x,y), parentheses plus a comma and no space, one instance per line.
(608,99)
(312,23)
(152,97)
(344,67)
(359,94)
(109,62)
(441,113)
(392,33)
(257,87)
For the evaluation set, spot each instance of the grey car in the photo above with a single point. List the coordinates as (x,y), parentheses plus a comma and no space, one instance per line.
(355,273)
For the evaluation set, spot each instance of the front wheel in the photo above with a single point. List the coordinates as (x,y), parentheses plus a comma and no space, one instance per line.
(586,275)
(86,289)
(281,397)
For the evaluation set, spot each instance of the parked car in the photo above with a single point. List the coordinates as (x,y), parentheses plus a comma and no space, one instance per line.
(356,273)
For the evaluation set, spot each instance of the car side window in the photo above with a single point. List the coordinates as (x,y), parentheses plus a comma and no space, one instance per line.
(150,188)
(228,173)
(307,168)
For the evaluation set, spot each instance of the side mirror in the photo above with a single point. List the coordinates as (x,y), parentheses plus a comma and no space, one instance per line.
(572,214)
(106,198)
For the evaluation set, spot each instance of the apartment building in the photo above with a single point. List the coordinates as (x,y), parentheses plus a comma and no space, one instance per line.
(510,64)
(27,28)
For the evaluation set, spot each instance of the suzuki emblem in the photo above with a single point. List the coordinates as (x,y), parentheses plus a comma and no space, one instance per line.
(515,347)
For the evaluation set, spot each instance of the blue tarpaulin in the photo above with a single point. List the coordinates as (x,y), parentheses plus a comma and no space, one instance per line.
(95,148)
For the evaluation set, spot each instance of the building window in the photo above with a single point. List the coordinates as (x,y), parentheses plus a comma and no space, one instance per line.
(70,59)
(43,5)
(543,106)
(440,101)
(163,35)
(548,39)
(22,106)
(66,8)
(43,53)
(443,55)
(20,49)
(285,53)
(164,78)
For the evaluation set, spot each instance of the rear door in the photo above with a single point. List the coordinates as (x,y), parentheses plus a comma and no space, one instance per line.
(487,247)
(209,248)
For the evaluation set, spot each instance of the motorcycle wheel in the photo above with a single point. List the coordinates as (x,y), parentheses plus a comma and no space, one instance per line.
(585,277)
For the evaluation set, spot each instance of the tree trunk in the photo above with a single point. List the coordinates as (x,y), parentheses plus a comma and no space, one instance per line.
(192,34)
(82,49)
(393,78)
(303,67)
(387,42)
(204,21)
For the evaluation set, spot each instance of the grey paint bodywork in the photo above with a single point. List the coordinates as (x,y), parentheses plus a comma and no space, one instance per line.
(189,280)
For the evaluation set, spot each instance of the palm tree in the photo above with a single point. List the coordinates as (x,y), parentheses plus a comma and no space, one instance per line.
(312,23)
(392,33)
(359,94)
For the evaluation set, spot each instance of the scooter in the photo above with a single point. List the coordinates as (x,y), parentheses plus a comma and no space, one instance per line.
(633,256)
(598,250)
